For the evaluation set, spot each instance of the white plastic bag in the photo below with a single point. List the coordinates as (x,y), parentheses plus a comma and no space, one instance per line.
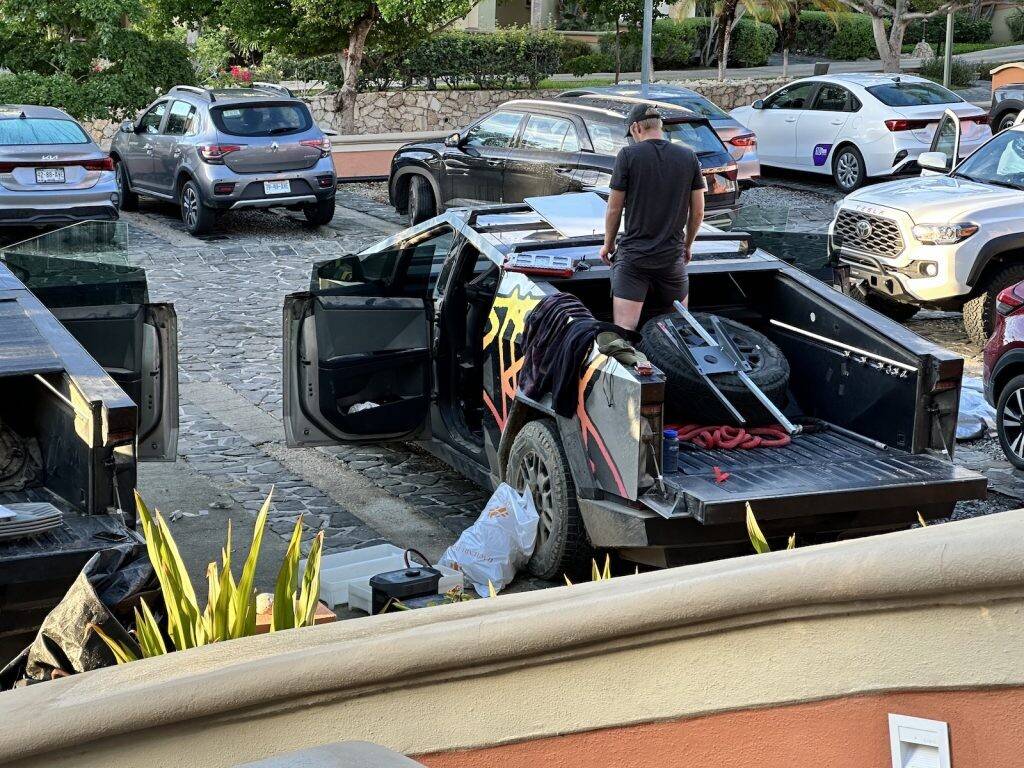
(499,543)
(976,418)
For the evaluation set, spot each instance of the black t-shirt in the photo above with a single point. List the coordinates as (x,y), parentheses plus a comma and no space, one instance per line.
(658,178)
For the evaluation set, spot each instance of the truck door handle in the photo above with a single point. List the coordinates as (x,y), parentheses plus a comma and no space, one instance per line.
(790,119)
(494,162)
(838,122)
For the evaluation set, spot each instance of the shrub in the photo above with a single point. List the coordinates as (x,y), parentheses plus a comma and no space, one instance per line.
(582,66)
(843,36)
(1015,21)
(752,43)
(961,73)
(676,43)
(966,29)
(572,48)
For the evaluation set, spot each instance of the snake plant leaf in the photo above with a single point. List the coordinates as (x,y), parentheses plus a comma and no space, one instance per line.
(244,613)
(607,572)
(791,544)
(757,539)
(309,595)
(151,639)
(920,519)
(284,589)
(122,653)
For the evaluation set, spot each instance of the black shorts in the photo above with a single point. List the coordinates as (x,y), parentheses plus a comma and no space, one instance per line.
(662,285)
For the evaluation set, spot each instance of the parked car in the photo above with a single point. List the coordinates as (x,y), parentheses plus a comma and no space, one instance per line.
(528,148)
(420,337)
(1004,372)
(949,240)
(51,172)
(738,139)
(856,126)
(213,150)
(1007,105)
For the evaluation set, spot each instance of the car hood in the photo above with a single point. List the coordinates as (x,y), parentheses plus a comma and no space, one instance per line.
(928,196)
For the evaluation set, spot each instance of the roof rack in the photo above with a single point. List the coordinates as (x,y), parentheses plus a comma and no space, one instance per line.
(274,87)
(194,89)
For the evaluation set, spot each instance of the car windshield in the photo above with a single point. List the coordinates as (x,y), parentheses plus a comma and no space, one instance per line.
(1000,162)
(262,119)
(698,136)
(903,94)
(702,107)
(37,130)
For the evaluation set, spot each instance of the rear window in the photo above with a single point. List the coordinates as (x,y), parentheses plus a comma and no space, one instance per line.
(702,107)
(39,130)
(262,119)
(698,136)
(913,94)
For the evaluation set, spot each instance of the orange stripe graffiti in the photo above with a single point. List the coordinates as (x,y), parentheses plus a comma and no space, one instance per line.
(587,426)
(505,324)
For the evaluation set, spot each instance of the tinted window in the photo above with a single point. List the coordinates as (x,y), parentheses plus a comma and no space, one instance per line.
(1001,161)
(150,122)
(793,97)
(913,94)
(702,107)
(182,119)
(608,138)
(832,98)
(36,130)
(497,130)
(698,136)
(262,119)
(945,138)
(553,134)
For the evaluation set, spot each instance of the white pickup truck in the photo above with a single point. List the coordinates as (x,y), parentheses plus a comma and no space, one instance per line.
(951,239)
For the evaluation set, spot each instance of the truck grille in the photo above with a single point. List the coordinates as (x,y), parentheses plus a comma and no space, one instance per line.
(865,232)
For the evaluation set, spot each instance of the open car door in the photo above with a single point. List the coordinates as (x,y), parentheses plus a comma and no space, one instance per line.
(85,276)
(947,138)
(357,359)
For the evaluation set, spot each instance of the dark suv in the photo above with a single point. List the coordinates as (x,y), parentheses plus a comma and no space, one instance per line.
(213,150)
(530,148)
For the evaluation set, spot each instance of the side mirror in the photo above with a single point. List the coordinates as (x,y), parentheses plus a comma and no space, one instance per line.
(127,127)
(933,161)
(759,104)
(453,141)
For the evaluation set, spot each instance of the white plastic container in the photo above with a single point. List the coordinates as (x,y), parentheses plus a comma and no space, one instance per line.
(360,594)
(341,568)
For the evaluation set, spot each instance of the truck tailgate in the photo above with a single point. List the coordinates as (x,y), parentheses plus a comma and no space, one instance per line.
(818,473)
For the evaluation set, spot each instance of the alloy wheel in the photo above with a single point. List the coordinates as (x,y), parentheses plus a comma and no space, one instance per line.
(190,207)
(533,474)
(1013,423)
(1006,122)
(847,170)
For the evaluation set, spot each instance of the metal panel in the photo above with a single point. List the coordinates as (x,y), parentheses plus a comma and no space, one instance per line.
(23,349)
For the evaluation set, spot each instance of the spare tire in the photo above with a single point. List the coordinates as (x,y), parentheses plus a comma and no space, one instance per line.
(688,398)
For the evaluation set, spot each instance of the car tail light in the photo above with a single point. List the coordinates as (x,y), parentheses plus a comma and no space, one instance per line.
(215,153)
(323,144)
(980,119)
(224,188)
(1010,299)
(744,140)
(7,167)
(326,181)
(905,125)
(102,164)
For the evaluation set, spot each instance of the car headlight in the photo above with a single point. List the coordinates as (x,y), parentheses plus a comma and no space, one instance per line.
(943,234)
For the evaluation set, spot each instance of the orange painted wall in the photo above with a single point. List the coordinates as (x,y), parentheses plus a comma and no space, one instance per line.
(367,162)
(986,731)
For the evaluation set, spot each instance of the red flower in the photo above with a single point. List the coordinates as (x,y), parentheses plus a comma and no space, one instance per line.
(246,76)
(236,71)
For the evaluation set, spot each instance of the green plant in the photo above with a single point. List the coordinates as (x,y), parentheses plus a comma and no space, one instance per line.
(961,73)
(230,610)
(841,36)
(966,29)
(1015,21)
(676,43)
(757,538)
(582,66)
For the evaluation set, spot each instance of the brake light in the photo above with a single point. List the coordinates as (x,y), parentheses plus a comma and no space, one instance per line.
(905,125)
(215,153)
(979,119)
(745,140)
(102,164)
(1010,299)
(323,144)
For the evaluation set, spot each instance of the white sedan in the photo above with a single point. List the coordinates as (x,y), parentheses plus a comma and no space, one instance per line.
(857,126)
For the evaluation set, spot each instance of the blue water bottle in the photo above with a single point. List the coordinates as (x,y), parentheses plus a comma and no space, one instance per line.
(669,451)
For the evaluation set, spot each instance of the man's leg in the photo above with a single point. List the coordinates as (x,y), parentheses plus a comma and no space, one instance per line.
(626,313)
(629,289)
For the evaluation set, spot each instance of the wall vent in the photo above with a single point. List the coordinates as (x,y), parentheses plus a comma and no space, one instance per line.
(918,743)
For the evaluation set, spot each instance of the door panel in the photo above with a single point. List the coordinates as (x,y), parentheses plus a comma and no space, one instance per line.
(818,128)
(141,154)
(775,124)
(475,169)
(544,161)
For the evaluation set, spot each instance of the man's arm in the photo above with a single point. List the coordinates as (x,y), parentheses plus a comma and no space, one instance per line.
(612,219)
(694,220)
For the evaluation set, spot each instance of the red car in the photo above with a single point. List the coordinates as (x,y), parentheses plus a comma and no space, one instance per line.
(1004,372)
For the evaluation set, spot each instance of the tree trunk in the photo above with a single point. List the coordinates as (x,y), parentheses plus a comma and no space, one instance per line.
(725,19)
(785,61)
(618,51)
(351,61)
(883,43)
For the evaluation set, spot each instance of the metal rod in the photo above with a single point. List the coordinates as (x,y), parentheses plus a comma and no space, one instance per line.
(682,310)
(645,63)
(771,407)
(685,352)
(947,64)
(841,345)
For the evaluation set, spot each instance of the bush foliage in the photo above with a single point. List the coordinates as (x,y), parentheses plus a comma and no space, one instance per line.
(961,73)
(966,29)
(842,36)
(676,43)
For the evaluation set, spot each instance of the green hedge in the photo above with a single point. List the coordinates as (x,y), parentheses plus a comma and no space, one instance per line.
(1015,21)
(965,30)
(842,36)
(676,43)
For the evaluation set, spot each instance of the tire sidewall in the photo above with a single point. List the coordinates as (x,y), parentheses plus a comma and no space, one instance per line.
(1006,121)
(980,312)
(422,205)
(1014,385)
(853,152)
(128,200)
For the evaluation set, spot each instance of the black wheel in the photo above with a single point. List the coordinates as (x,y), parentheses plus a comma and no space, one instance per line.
(980,310)
(320,212)
(1006,121)
(688,398)
(897,310)
(422,205)
(1010,421)
(848,169)
(129,201)
(537,462)
(198,218)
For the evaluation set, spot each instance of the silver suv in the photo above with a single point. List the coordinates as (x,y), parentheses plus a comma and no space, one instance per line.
(213,150)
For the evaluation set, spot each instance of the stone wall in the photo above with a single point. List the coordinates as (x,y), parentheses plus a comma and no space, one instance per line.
(410,111)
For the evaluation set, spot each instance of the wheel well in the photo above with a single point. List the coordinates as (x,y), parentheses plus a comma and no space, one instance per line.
(842,145)
(1003,377)
(400,193)
(521,415)
(183,176)
(995,263)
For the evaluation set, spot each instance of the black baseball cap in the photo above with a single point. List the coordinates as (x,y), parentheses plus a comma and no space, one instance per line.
(641,112)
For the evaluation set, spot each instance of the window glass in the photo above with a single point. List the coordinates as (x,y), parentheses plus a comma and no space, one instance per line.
(262,119)
(792,97)
(701,106)
(608,138)
(832,98)
(902,94)
(945,137)
(150,122)
(698,136)
(182,119)
(425,263)
(35,130)
(498,130)
(999,162)
(547,133)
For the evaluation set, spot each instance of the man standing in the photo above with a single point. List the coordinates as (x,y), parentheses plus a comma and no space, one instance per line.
(662,190)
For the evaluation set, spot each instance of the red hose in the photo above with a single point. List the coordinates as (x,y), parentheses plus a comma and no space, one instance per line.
(732,438)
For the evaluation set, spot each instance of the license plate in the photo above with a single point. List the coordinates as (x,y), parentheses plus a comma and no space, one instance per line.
(277,187)
(49,175)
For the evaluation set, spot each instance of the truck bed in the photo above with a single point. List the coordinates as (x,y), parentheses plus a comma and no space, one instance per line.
(824,472)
